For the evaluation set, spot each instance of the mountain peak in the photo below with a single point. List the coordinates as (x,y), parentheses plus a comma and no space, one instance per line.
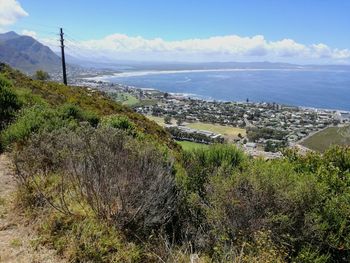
(26,53)
(8,35)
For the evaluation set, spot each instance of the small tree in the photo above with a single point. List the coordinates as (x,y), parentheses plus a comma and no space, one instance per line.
(179,121)
(269,147)
(167,119)
(41,75)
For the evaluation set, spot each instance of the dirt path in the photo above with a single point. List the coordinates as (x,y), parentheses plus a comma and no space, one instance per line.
(16,235)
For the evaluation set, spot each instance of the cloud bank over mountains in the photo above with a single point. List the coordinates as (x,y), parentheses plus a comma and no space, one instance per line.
(10,12)
(218,48)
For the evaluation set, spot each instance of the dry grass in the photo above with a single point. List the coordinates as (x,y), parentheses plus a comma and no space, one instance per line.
(227,131)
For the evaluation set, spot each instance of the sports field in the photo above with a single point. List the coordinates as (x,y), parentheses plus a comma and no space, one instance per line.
(227,131)
(126,99)
(160,120)
(188,146)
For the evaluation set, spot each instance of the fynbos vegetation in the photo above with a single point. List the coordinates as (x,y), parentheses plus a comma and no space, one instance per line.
(107,186)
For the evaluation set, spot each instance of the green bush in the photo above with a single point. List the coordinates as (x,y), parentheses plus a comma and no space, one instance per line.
(9,102)
(302,201)
(201,164)
(41,75)
(118,122)
(265,196)
(31,120)
(71,111)
(40,118)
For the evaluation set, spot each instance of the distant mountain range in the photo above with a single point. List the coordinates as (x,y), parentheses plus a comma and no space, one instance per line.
(27,54)
(130,65)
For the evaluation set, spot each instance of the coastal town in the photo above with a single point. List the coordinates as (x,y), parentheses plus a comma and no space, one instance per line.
(263,129)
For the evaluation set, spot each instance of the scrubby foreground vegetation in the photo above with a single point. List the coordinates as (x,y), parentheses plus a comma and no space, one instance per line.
(110,186)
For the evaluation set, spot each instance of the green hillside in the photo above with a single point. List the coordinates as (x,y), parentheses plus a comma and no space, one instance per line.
(322,140)
(101,183)
(93,101)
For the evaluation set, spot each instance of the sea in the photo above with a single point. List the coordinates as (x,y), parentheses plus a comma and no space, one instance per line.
(315,88)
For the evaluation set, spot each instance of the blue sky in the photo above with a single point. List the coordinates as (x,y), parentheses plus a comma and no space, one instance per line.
(305,22)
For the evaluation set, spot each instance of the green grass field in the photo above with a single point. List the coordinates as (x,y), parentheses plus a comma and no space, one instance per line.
(125,98)
(130,100)
(188,146)
(227,131)
(159,120)
(145,102)
(330,136)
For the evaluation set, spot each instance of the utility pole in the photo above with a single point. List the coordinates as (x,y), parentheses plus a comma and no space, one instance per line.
(63,59)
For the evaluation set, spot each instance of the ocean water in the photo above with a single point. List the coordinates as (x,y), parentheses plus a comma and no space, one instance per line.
(329,89)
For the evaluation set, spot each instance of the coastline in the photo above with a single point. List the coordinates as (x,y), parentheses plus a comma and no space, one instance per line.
(113,78)
(209,99)
(138,73)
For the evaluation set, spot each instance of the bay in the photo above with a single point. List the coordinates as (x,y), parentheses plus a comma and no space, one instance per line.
(328,89)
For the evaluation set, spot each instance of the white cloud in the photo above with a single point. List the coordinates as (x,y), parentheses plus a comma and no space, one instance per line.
(10,12)
(218,48)
(30,33)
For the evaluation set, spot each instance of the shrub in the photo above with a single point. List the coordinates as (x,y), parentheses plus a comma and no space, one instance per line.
(303,203)
(122,179)
(201,164)
(118,122)
(9,102)
(41,75)
(71,111)
(265,196)
(199,167)
(43,118)
(30,121)
(167,119)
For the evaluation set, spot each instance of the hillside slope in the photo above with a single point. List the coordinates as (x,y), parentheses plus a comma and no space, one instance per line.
(97,189)
(91,100)
(322,140)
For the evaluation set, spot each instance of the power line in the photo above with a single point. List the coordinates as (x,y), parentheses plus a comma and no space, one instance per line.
(76,38)
(40,31)
(46,27)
